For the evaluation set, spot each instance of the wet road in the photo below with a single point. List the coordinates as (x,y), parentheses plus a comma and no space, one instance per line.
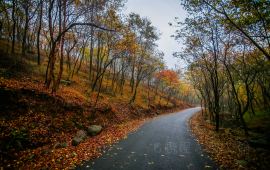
(164,143)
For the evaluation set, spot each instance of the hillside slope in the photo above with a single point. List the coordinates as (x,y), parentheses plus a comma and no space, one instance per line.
(37,126)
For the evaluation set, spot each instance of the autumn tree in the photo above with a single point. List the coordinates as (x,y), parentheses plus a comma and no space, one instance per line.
(170,80)
(221,39)
(249,18)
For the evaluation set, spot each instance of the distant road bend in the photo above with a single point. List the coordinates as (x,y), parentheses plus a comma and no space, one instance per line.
(165,143)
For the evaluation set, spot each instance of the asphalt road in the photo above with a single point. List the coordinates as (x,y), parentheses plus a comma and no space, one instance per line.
(163,143)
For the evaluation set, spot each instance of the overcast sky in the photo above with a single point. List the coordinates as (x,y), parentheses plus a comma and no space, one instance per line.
(160,12)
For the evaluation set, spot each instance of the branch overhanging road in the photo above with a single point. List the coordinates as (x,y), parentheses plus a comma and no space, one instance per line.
(164,143)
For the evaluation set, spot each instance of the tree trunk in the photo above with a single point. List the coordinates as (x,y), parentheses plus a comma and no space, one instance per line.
(25,32)
(39,30)
(62,26)
(14,6)
(91,44)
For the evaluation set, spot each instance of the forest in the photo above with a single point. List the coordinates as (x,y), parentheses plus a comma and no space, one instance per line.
(70,67)
(69,64)
(227,48)
(89,36)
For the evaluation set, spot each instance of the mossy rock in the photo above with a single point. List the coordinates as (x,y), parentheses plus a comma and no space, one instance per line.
(76,141)
(81,134)
(94,130)
(79,137)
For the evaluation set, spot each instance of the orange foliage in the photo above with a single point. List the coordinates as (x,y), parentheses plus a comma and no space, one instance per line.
(169,77)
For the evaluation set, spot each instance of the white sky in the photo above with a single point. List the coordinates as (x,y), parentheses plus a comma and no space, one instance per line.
(161,12)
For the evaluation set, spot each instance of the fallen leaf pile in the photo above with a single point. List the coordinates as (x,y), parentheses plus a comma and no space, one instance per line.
(65,158)
(45,124)
(228,150)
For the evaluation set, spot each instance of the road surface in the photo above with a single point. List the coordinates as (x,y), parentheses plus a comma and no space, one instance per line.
(165,143)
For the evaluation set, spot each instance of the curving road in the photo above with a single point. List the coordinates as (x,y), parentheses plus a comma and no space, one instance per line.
(163,143)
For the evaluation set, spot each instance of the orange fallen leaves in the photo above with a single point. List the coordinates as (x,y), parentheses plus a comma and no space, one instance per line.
(66,158)
(49,126)
(225,148)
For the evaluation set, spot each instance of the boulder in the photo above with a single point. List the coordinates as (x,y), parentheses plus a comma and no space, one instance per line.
(76,141)
(81,134)
(94,130)
(79,137)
